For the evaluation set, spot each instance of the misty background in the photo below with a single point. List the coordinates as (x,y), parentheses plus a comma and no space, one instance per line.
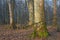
(21,13)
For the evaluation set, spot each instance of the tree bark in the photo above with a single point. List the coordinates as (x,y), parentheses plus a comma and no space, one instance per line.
(30,5)
(40,18)
(11,11)
(54,14)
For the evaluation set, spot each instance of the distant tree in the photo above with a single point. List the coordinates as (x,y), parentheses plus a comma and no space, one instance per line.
(11,4)
(58,25)
(7,13)
(54,13)
(3,16)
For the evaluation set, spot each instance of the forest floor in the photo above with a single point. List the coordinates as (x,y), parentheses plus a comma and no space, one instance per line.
(23,34)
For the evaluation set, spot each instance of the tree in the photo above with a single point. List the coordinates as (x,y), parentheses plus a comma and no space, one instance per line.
(11,4)
(3,12)
(30,5)
(40,23)
(54,14)
(58,27)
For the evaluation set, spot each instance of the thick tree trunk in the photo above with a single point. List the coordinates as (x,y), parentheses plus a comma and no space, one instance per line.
(37,11)
(40,18)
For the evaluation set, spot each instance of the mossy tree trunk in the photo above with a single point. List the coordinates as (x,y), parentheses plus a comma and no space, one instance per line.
(40,23)
(30,5)
(11,4)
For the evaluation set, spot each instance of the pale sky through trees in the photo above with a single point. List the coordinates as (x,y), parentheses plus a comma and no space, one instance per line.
(50,0)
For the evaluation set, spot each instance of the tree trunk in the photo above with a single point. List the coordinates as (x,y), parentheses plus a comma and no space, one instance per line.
(54,14)
(11,11)
(40,22)
(30,5)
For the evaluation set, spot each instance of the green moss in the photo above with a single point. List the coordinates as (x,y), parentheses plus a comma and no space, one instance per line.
(34,33)
(43,34)
(40,34)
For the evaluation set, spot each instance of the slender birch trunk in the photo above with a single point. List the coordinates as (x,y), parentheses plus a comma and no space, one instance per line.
(11,11)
